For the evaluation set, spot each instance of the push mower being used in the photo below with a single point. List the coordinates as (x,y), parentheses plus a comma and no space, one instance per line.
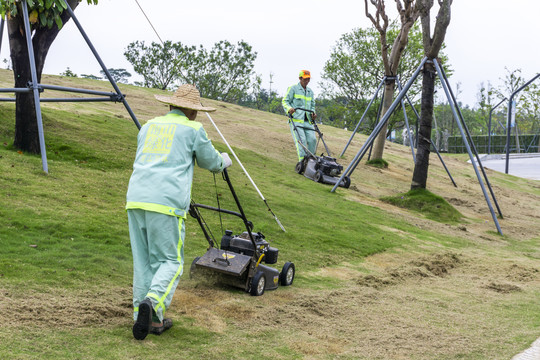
(238,261)
(324,168)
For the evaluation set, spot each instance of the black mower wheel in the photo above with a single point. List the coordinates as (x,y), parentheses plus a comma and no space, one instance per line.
(286,277)
(193,268)
(318,176)
(299,167)
(346,182)
(258,283)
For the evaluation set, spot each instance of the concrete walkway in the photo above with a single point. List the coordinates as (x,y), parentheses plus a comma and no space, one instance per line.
(522,165)
(532,353)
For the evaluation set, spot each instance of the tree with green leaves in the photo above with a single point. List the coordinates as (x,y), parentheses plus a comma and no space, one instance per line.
(118,75)
(68,73)
(225,72)
(47,18)
(161,65)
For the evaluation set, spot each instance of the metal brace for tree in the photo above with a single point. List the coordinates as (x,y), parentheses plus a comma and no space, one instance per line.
(35,87)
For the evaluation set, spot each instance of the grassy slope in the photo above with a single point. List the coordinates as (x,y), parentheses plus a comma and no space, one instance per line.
(65,264)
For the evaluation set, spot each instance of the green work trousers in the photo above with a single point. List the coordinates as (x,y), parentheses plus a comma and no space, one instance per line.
(304,133)
(157,243)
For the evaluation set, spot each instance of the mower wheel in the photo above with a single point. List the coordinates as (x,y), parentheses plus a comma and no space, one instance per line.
(258,283)
(318,176)
(299,167)
(286,277)
(346,182)
(193,268)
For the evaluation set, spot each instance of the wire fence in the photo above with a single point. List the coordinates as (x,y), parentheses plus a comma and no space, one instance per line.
(525,144)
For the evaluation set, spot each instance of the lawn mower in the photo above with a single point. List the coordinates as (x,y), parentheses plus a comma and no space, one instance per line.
(238,261)
(323,169)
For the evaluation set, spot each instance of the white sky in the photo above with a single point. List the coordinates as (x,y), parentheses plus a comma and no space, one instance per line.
(484,36)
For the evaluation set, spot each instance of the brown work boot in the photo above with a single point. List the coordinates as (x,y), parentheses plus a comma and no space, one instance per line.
(159,328)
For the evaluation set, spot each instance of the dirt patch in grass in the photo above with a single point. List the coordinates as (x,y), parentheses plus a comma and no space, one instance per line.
(433,265)
(503,288)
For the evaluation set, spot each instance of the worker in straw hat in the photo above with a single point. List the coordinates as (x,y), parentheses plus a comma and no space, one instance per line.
(297,97)
(158,198)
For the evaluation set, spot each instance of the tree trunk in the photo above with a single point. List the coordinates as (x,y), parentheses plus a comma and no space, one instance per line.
(378,147)
(431,49)
(26,129)
(420,174)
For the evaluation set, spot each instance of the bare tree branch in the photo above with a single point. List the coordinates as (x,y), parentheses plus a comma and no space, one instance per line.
(381,28)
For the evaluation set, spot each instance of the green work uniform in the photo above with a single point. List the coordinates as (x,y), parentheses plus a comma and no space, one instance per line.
(158,198)
(298,97)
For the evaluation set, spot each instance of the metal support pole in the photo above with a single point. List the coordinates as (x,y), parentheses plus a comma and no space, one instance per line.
(81,91)
(465,127)
(1,31)
(458,122)
(379,126)
(441,159)
(407,124)
(377,120)
(509,125)
(489,124)
(363,115)
(16,90)
(28,33)
(103,67)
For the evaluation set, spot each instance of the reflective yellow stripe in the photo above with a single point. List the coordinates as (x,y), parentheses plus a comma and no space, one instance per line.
(296,140)
(284,100)
(162,209)
(155,297)
(176,118)
(298,96)
(178,272)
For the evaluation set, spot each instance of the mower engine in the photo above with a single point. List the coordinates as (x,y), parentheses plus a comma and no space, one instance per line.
(323,169)
(242,244)
(328,166)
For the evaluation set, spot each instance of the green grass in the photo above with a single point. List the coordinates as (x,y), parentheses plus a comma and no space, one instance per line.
(69,230)
(378,163)
(64,238)
(430,205)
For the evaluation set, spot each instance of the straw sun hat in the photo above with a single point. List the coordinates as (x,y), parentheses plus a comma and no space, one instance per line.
(186,96)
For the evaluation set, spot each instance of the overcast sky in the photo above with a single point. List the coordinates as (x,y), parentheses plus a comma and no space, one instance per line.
(483,38)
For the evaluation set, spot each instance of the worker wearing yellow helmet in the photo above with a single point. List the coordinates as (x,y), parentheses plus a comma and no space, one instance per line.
(297,97)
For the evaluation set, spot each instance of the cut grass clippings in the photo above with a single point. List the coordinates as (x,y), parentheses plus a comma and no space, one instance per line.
(370,282)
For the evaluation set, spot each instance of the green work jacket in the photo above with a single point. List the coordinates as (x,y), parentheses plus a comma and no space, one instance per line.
(298,97)
(167,147)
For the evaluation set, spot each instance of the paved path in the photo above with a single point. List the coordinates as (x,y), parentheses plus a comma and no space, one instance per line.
(532,353)
(522,165)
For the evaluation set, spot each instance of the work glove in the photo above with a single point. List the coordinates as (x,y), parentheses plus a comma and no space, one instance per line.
(226,160)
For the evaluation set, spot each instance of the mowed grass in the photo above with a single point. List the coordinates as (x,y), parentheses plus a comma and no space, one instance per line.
(64,240)
(68,230)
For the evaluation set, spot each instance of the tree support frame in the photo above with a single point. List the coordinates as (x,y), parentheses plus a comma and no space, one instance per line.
(37,88)
(458,119)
